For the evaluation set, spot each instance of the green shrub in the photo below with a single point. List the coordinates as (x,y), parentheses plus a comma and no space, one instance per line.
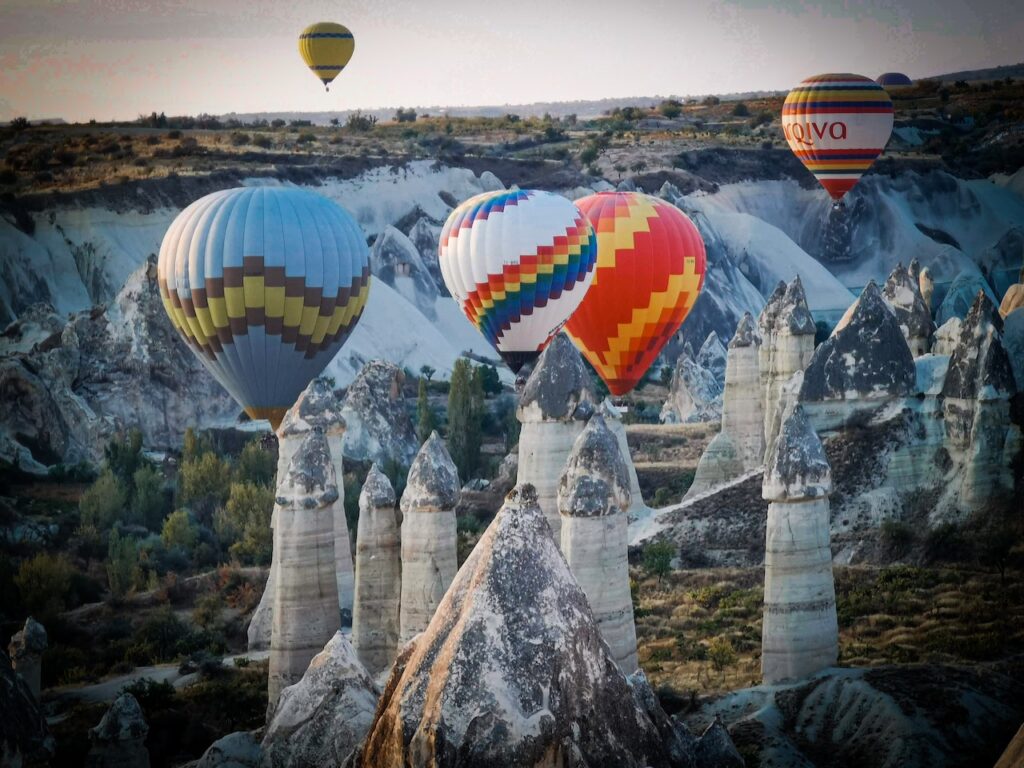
(44,584)
(124,456)
(255,465)
(149,504)
(896,537)
(658,558)
(244,523)
(122,564)
(721,654)
(207,610)
(204,483)
(104,502)
(179,532)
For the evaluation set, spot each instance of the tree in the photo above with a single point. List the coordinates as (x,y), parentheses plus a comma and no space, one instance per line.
(638,166)
(619,168)
(148,501)
(203,483)
(124,456)
(44,583)
(721,654)
(405,115)
(255,465)
(670,108)
(122,564)
(740,110)
(488,379)
(658,558)
(179,532)
(711,101)
(425,420)
(426,371)
(19,123)
(104,502)
(588,155)
(465,400)
(244,523)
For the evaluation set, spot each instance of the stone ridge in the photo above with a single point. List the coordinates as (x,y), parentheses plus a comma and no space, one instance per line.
(903,293)
(766,320)
(793,312)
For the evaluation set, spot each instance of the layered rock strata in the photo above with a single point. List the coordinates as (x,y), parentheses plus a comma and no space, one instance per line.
(429,558)
(553,408)
(593,495)
(375,622)
(305,596)
(800,634)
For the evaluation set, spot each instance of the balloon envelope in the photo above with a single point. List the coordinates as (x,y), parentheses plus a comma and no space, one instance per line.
(837,125)
(650,270)
(518,263)
(265,284)
(894,80)
(326,48)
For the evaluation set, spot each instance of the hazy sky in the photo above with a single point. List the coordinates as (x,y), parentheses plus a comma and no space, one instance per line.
(119,58)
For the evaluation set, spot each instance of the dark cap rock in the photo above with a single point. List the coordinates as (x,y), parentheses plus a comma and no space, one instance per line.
(746,333)
(797,467)
(317,406)
(377,490)
(433,482)
(558,384)
(310,482)
(595,481)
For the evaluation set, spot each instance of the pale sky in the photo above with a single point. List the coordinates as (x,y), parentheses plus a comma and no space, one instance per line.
(115,59)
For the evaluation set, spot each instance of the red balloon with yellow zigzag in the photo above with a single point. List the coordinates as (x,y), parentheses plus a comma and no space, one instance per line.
(650,270)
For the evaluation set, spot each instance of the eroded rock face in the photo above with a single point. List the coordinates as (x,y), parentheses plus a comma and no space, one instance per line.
(305,597)
(1013,342)
(695,395)
(712,356)
(119,739)
(323,717)
(791,344)
(553,408)
(800,633)
(867,358)
(379,427)
(946,336)
(26,649)
(375,619)
(429,538)
(395,260)
(593,495)
(903,293)
(24,736)
(512,670)
(236,750)
(960,296)
(613,420)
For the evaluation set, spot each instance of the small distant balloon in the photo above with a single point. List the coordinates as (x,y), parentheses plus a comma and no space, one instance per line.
(265,284)
(326,48)
(518,263)
(650,270)
(837,125)
(894,80)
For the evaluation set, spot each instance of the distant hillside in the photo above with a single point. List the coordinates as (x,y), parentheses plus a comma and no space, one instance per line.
(993,73)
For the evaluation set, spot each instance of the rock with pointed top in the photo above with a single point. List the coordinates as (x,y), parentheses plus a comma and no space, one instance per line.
(914,270)
(378,592)
(24,736)
(926,283)
(429,559)
(903,294)
(960,295)
(792,344)
(1013,299)
(512,670)
(694,394)
(323,717)
(240,749)
(712,356)
(946,336)
(715,748)
(800,633)
(742,412)
(613,420)
(553,408)
(593,495)
(26,649)
(305,597)
(719,463)
(119,741)
(378,426)
(868,358)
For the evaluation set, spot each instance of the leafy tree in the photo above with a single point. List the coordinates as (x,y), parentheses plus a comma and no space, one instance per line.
(125,456)
(588,155)
(179,532)
(204,483)
(670,108)
(488,379)
(425,419)
(148,501)
(19,124)
(255,465)
(103,502)
(638,166)
(721,654)
(427,371)
(465,433)
(207,610)
(740,110)
(620,169)
(405,115)
(44,583)
(711,101)
(122,564)
(360,122)
(658,558)
(245,522)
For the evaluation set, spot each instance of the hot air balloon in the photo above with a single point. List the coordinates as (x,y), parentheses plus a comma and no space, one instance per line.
(517,263)
(894,80)
(265,284)
(326,48)
(650,270)
(837,125)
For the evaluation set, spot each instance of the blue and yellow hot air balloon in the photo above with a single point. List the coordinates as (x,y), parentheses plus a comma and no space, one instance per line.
(326,48)
(265,284)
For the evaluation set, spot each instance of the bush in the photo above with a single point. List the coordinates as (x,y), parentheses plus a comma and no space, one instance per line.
(19,124)
(945,543)
(122,564)
(206,613)
(896,537)
(740,110)
(670,108)
(44,584)
(405,115)
(255,465)
(305,138)
(263,142)
(360,123)
(239,139)
(153,695)
(721,654)
(161,637)
(124,456)
(204,483)
(179,532)
(244,523)
(104,502)
(658,558)
(149,504)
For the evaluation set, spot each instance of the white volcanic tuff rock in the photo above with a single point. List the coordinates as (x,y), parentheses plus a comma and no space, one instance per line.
(425,235)
(694,395)
(236,750)
(976,407)
(35,324)
(321,719)
(613,420)
(926,284)
(26,649)
(712,356)
(379,427)
(305,598)
(791,347)
(800,634)
(512,670)
(903,294)
(317,408)
(719,463)
(1013,299)
(119,739)
(375,615)
(960,295)
(553,407)
(395,260)
(593,495)
(429,538)
(766,330)
(867,358)
(24,736)
(946,336)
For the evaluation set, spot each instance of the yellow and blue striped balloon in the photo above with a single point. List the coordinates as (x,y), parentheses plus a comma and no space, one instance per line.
(265,284)
(326,48)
